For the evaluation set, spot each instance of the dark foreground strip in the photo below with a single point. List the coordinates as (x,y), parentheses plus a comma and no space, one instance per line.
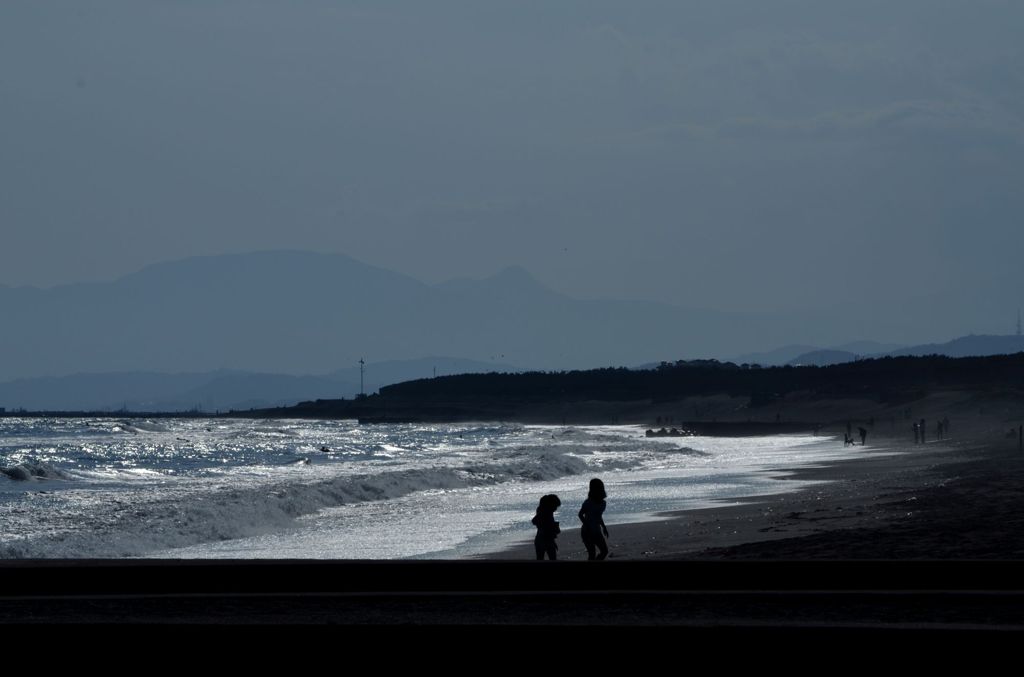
(153,600)
(33,578)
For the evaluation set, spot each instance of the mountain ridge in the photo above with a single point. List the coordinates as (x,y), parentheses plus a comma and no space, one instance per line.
(294,313)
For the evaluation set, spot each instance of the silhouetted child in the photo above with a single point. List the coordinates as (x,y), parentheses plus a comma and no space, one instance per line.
(547,527)
(592,516)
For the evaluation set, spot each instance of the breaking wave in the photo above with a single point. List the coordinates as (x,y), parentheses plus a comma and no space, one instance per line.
(127,524)
(33,470)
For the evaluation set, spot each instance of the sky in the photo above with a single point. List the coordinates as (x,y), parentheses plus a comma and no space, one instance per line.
(740,155)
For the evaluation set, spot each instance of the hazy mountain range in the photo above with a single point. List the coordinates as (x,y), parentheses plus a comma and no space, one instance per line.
(272,328)
(964,346)
(218,390)
(796,351)
(304,313)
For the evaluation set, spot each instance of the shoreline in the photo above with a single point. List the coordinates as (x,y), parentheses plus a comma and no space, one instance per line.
(909,501)
(893,547)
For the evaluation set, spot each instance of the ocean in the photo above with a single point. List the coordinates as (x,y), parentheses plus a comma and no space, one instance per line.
(240,488)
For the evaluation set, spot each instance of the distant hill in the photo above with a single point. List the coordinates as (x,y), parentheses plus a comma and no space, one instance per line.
(862,348)
(775,357)
(381,374)
(217,390)
(805,354)
(110,391)
(294,313)
(967,346)
(298,313)
(821,358)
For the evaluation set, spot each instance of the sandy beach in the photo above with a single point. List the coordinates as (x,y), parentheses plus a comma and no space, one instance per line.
(956,499)
(909,540)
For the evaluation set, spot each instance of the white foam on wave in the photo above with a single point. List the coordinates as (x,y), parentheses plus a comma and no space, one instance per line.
(30,470)
(145,427)
(255,483)
(133,523)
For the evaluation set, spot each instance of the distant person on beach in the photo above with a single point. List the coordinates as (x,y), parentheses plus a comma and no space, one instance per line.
(863,435)
(593,531)
(547,527)
(938,429)
(917,434)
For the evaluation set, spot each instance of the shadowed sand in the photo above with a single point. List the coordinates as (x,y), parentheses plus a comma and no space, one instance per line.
(926,539)
(955,499)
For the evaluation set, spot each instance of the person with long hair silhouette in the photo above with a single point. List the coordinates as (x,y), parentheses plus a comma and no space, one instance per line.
(592,516)
(547,527)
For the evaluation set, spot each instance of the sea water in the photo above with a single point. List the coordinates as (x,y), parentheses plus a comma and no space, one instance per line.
(203,488)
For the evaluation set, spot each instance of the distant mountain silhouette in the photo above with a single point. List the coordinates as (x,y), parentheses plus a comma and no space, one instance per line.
(821,358)
(805,354)
(775,357)
(967,346)
(292,313)
(867,347)
(301,313)
(110,391)
(380,374)
(217,390)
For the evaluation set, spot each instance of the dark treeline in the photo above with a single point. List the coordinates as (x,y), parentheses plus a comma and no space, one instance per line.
(890,380)
(883,379)
(602,395)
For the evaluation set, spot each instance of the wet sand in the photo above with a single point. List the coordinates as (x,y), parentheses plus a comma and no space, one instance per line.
(949,500)
(925,541)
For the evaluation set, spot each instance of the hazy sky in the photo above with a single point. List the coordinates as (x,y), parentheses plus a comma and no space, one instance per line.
(747,154)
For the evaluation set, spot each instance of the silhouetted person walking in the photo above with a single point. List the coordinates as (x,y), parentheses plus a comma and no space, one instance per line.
(592,516)
(917,434)
(547,527)
(863,435)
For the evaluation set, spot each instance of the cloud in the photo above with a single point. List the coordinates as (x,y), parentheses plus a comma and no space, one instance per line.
(899,117)
(945,119)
